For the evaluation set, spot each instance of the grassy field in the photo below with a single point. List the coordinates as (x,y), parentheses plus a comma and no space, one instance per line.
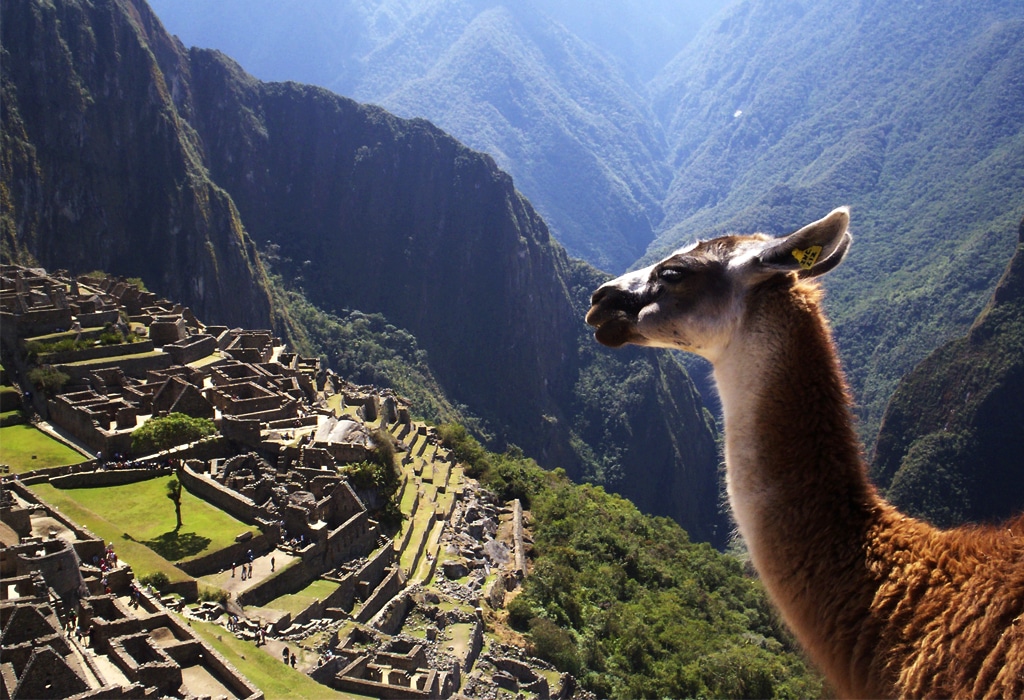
(25,448)
(295,603)
(144,513)
(277,681)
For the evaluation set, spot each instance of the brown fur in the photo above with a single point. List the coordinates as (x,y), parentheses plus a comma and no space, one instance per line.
(885,605)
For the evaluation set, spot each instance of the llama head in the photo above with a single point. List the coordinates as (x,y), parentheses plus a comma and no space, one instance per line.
(694,299)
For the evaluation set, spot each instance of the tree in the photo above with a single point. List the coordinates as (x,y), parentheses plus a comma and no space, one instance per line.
(165,432)
(174,493)
(50,379)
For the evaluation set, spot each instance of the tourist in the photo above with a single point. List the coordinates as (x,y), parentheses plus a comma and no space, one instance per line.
(293,660)
(271,564)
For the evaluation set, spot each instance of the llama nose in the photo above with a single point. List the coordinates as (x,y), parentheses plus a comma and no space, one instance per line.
(600,294)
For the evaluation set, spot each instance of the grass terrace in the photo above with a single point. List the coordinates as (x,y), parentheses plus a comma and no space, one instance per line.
(277,681)
(295,603)
(139,519)
(26,448)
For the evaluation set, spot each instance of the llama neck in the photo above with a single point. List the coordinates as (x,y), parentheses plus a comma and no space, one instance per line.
(796,481)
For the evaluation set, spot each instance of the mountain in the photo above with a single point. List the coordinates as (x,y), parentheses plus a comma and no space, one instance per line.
(554,91)
(632,136)
(950,443)
(913,114)
(100,171)
(133,154)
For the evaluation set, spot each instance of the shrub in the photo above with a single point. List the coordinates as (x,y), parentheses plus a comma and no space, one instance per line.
(554,644)
(520,612)
(48,379)
(169,431)
(217,595)
(157,580)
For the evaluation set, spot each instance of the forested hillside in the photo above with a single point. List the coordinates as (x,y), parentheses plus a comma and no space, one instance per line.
(950,445)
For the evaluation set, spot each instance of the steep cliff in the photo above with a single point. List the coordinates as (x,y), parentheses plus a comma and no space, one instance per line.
(103,172)
(950,444)
(139,157)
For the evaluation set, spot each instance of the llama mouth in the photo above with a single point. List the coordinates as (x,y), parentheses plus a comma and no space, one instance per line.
(615,332)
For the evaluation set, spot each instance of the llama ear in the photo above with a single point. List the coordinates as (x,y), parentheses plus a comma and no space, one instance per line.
(813,250)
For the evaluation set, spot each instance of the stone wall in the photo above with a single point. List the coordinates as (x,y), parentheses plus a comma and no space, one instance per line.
(39,322)
(385,592)
(339,599)
(132,365)
(233,554)
(82,424)
(106,477)
(232,502)
(389,620)
(373,572)
(190,349)
(286,580)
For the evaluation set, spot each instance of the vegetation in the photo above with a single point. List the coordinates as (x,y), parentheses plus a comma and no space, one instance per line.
(48,379)
(25,448)
(71,342)
(627,603)
(295,603)
(510,475)
(277,681)
(382,473)
(102,519)
(163,433)
(363,348)
(949,448)
(158,580)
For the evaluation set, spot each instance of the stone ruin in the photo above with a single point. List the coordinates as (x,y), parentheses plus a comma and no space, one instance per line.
(70,630)
(278,464)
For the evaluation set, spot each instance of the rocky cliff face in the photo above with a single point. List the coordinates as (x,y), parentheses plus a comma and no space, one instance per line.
(103,172)
(139,157)
(950,444)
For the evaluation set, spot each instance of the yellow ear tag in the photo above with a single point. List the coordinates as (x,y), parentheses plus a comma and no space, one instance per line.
(808,257)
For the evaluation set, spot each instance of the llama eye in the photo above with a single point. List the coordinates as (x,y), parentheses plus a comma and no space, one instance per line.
(670,274)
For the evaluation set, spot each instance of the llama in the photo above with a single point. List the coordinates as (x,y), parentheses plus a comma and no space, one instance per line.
(886,605)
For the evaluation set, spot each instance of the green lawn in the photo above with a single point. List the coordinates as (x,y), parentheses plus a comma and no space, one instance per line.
(25,448)
(277,681)
(143,511)
(295,603)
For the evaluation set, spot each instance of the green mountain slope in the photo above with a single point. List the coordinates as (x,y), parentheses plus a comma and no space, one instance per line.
(362,211)
(950,444)
(554,112)
(629,605)
(912,114)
